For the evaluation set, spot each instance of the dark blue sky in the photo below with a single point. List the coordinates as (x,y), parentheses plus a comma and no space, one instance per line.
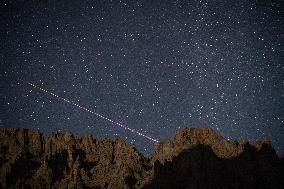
(155,66)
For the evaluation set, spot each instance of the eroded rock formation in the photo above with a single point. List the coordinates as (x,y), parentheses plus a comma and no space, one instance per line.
(196,158)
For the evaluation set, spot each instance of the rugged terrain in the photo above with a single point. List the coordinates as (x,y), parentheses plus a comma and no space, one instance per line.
(195,158)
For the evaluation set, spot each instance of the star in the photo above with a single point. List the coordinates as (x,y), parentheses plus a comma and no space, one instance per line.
(157,66)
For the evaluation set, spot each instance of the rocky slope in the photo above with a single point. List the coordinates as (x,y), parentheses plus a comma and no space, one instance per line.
(196,158)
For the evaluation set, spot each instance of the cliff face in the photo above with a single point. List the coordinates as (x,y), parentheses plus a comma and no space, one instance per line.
(196,158)
(199,158)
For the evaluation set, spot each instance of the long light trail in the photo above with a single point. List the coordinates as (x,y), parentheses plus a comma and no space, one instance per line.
(90,111)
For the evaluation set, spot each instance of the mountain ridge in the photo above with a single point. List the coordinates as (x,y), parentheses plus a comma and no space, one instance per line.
(195,158)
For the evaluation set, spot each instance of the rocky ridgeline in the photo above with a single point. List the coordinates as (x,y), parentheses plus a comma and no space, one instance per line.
(196,158)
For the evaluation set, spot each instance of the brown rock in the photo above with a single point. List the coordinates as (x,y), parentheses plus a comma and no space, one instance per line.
(196,158)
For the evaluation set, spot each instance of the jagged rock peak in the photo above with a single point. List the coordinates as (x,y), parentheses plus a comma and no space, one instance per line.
(195,157)
(188,138)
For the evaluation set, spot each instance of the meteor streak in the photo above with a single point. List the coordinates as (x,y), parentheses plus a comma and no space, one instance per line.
(85,109)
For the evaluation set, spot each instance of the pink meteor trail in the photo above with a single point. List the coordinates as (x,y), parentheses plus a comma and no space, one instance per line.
(83,108)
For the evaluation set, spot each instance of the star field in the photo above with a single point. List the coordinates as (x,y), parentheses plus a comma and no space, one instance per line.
(155,66)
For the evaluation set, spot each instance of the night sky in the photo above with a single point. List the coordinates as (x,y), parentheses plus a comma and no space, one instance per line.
(153,66)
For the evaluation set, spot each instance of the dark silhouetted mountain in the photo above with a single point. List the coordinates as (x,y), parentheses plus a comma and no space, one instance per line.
(195,158)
